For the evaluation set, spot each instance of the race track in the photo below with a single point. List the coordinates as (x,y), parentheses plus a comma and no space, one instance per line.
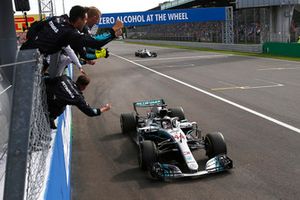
(254,102)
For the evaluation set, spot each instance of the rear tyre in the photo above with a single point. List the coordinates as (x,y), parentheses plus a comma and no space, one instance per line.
(177,112)
(154,54)
(215,144)
(128,123)
(147,154)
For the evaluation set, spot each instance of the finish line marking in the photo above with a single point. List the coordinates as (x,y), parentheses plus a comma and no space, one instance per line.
(290,127)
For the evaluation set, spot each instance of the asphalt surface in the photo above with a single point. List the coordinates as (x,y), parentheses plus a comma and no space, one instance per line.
(256,107)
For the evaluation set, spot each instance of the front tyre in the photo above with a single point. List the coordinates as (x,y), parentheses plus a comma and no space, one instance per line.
(127,122)
(147,154)
(215,144)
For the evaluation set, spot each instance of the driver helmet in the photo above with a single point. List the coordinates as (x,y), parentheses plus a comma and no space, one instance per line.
(163,112)
(166,122)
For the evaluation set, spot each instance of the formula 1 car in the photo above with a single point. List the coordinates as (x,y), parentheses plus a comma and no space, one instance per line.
(143,53)
(166,140)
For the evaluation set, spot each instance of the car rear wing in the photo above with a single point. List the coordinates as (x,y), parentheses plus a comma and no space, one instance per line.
(148,103)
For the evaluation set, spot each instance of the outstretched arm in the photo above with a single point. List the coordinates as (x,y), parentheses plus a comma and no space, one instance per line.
(92,112)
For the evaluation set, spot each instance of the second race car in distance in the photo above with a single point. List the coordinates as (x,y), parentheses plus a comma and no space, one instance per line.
(144,53)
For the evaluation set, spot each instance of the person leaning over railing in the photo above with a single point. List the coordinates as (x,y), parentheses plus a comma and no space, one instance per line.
(52,35)
(62,91)
(91,29)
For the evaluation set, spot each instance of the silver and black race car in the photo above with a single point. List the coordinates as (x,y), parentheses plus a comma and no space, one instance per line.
(166,140)
(144,53)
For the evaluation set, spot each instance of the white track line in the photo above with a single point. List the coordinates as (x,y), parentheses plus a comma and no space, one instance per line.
(247,87)
(297,130)
(188,57)
(173,66)
(234,87)
(278,68)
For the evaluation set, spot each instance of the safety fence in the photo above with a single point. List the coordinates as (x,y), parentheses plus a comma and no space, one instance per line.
(30,160)
(5,110)
(251,48)
(252,25)
(39,139)
(249,26)
(195,32)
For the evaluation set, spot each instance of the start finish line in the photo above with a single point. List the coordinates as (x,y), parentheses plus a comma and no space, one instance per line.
(163,17)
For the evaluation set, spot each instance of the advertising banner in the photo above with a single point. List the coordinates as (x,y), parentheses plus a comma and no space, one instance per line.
(163,17)
(20,21)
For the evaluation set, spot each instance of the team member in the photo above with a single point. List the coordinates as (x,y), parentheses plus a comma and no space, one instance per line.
(62,91)
(52,35)
(93,19)
(91,28)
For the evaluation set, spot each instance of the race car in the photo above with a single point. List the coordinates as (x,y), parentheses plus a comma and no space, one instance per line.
(143,53)
(166,140)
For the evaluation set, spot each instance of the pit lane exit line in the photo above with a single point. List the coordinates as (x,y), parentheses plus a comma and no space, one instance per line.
(290,127)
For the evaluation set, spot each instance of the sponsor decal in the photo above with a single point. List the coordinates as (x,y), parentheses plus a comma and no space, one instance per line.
(189,158)
(67,89)
(148,103)
(54,28)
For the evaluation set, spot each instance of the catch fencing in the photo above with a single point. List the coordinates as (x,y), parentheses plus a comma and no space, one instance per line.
(29,132)
(254,24)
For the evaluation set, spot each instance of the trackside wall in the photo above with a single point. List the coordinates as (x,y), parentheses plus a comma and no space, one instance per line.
(282,49)
(58,185)
(252,48)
